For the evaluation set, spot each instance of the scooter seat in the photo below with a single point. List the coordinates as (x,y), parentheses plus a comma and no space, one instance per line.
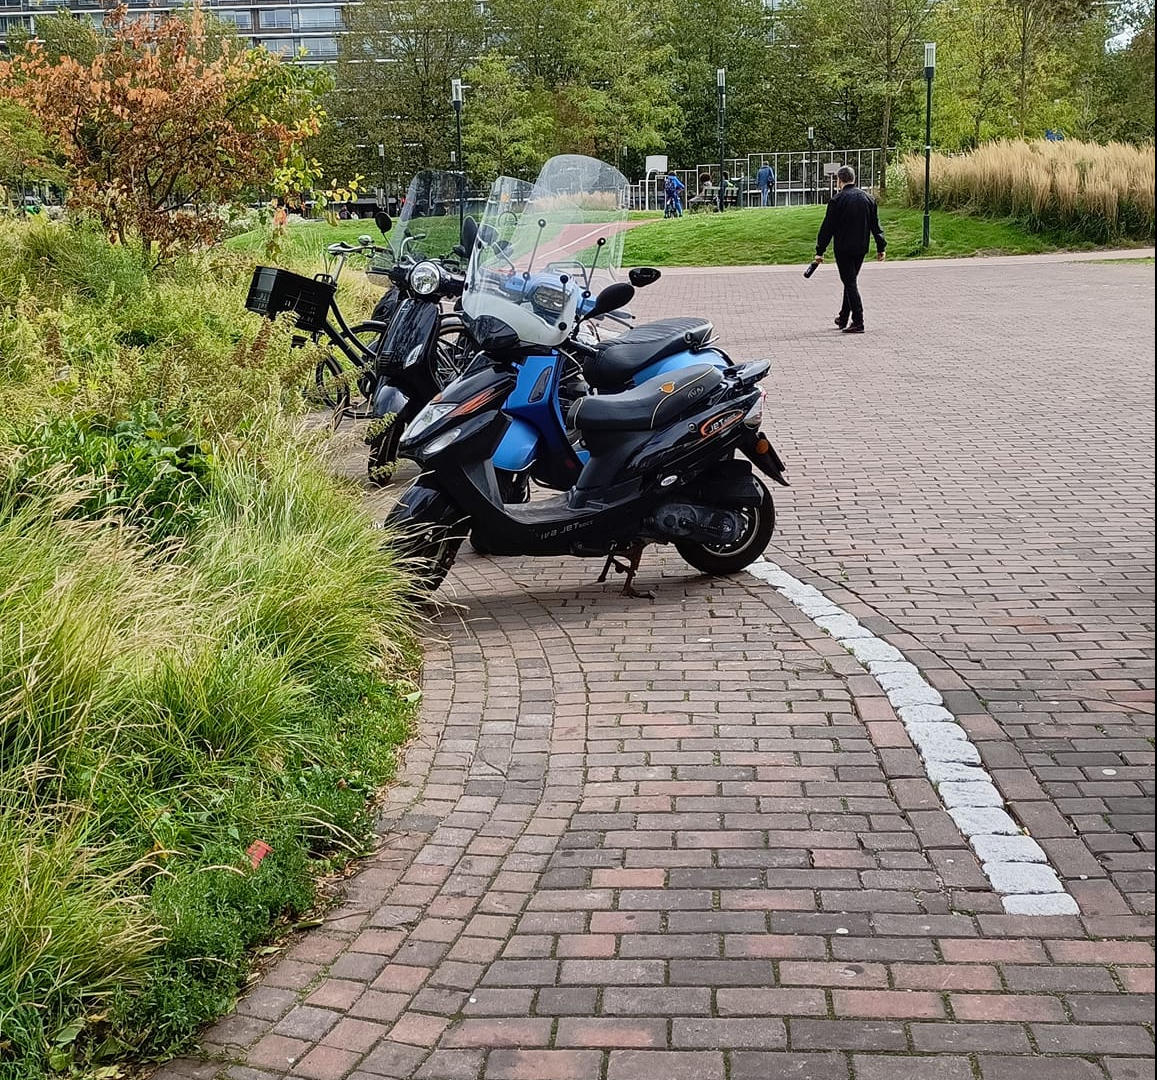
(615,362)
(648,407)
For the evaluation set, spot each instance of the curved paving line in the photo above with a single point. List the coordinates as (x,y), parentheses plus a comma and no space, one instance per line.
(1014,863)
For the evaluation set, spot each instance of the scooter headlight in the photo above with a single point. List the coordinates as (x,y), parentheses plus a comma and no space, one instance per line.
(425,279)
(436,446)
(549,298)
(428,417)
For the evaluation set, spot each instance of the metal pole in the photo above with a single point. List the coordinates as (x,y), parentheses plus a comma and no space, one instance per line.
(721,88)
(456,100)
(461,171)
(929,71)
(811,164)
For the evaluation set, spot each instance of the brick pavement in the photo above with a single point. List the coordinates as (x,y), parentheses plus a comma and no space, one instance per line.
(690,838)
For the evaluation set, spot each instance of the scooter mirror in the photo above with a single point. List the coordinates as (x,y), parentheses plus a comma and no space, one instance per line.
(644,275)
(383,221)
(611,298)
(469,233)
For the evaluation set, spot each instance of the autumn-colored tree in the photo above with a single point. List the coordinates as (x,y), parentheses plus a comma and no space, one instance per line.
(168,122)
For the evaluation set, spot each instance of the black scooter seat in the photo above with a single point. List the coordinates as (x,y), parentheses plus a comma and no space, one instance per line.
(615,362)
(650,406)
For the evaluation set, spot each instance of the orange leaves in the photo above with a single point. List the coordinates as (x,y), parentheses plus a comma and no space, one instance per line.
(166,125)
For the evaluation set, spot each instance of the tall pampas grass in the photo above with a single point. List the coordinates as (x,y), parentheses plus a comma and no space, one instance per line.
(1100,193)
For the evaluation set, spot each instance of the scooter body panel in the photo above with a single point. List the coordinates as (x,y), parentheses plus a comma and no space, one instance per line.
(534,408)
(670,364)
(519,448)
(389,400)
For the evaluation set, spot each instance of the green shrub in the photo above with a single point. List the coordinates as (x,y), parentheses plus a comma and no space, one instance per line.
(82,330)
(146,470)
(160,711)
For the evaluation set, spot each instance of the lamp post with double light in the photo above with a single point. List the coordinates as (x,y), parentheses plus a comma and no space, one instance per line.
(929,71)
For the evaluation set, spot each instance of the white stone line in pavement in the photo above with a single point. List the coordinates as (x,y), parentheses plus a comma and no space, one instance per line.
(1014,863)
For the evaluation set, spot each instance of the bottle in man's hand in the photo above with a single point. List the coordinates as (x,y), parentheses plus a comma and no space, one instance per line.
(811,268)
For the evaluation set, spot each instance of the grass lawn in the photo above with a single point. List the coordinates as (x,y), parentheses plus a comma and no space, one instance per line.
(304,241)
(787,235)
(736,238)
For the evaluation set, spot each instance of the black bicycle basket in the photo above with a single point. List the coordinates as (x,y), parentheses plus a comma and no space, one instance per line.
(274,290)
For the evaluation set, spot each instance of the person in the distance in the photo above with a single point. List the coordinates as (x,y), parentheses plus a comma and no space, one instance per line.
(851,219)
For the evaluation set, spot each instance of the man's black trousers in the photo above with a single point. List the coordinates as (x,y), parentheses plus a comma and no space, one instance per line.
(849,267)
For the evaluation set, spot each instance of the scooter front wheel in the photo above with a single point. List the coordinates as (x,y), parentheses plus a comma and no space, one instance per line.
(759,524)
(427,531)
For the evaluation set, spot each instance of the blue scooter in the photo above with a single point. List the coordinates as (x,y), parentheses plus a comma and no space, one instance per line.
(539,445)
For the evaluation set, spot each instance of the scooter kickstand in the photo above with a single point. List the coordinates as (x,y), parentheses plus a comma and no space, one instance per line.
(630,569)
(611,561)
(629,589)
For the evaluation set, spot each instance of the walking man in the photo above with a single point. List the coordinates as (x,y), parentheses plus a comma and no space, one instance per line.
(765,181)
(852,218)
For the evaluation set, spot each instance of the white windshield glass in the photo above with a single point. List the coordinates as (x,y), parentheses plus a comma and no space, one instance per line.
(545,250)
(428,221)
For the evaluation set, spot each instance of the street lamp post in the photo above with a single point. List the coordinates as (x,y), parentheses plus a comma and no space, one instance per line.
(929,71)
(811,158)
(382,163)
(456,101)
(721,93)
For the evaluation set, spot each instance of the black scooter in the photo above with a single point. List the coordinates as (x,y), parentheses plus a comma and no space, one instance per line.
(662,468)
(421,351)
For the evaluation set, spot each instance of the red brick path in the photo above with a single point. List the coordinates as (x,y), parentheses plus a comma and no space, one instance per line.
(689,839)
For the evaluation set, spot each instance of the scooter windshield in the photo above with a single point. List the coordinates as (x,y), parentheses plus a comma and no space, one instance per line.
(428,220)
(543,250)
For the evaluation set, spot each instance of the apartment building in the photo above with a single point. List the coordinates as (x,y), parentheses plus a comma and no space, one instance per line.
(282,26)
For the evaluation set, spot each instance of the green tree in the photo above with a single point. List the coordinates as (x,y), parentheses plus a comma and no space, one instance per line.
(506,129)
(976,74)
(623,97)
(877,46)
(61,34)
(25,154)
(701,36)
(544,40)
(393,77)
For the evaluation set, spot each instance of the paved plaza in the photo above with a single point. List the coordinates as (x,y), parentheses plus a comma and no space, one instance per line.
(710,836)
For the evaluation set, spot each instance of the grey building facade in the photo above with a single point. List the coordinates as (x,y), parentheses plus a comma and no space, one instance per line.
(282,26)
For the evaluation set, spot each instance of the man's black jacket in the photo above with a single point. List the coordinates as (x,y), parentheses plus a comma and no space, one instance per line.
(851,218)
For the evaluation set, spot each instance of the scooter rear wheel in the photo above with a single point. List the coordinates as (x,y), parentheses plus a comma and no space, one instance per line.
(730,559)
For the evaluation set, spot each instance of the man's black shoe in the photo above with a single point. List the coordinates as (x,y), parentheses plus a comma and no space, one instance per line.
(841,323)
(854,328)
